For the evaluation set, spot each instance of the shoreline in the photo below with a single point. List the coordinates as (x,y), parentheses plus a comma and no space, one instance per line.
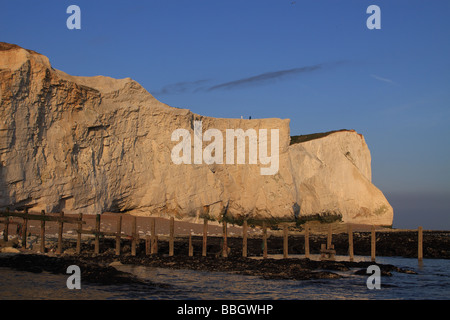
(101,269)
(98,268)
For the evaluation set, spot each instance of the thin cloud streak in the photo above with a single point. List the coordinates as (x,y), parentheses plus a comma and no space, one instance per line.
(182,87)
(264,77)
(382,79)
(260,79)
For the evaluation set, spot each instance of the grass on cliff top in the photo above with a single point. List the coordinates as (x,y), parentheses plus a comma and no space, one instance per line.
(312,136)
(4,46)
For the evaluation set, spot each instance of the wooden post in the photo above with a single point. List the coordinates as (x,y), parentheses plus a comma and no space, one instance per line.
(42,248)
(191,249)
(80,229)
(225,244)
(285,242)
(350,242)
(118,235)
(205,237)
(153,236)
(330,236)
(264,240)
(133,235)
(244,239)
(6,232)
(60,232)
(25,230)
(97,234)
(306,241)
(172,232)
(322,251)
(373,244)
(148,243)
(420,244)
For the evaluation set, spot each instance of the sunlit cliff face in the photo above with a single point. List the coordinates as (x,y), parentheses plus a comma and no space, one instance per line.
(95,144)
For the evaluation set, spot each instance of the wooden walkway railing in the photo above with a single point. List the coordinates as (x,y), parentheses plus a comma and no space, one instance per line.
(26,216)
(151,241)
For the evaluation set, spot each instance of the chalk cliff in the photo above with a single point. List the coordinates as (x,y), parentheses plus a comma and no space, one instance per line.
(332,175)
(96,144)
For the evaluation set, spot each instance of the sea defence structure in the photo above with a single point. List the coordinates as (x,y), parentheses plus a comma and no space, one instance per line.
(96,144)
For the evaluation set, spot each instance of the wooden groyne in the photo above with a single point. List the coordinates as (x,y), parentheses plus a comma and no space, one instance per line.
(150,238)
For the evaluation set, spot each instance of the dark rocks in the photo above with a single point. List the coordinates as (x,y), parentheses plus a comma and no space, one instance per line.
(90,271)
(97,269)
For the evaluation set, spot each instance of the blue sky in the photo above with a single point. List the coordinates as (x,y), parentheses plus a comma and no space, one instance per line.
(314,62)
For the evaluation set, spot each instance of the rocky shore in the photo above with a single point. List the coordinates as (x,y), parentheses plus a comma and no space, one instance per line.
(100,268)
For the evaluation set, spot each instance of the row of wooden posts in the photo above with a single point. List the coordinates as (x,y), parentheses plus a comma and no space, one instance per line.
(151,241)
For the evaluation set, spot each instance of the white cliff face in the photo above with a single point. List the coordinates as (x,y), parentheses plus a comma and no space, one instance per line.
(96,144)
(333,176)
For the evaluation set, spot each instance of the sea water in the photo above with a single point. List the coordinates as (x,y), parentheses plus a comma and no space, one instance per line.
(432,281)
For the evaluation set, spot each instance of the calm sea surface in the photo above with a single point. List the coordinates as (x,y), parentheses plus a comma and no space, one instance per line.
(431,282)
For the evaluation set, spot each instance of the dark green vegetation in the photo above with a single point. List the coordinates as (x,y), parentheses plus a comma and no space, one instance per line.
(312,136)
(326,217)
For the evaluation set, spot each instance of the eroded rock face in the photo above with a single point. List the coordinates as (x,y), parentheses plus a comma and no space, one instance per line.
(333,176)
(96,144)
